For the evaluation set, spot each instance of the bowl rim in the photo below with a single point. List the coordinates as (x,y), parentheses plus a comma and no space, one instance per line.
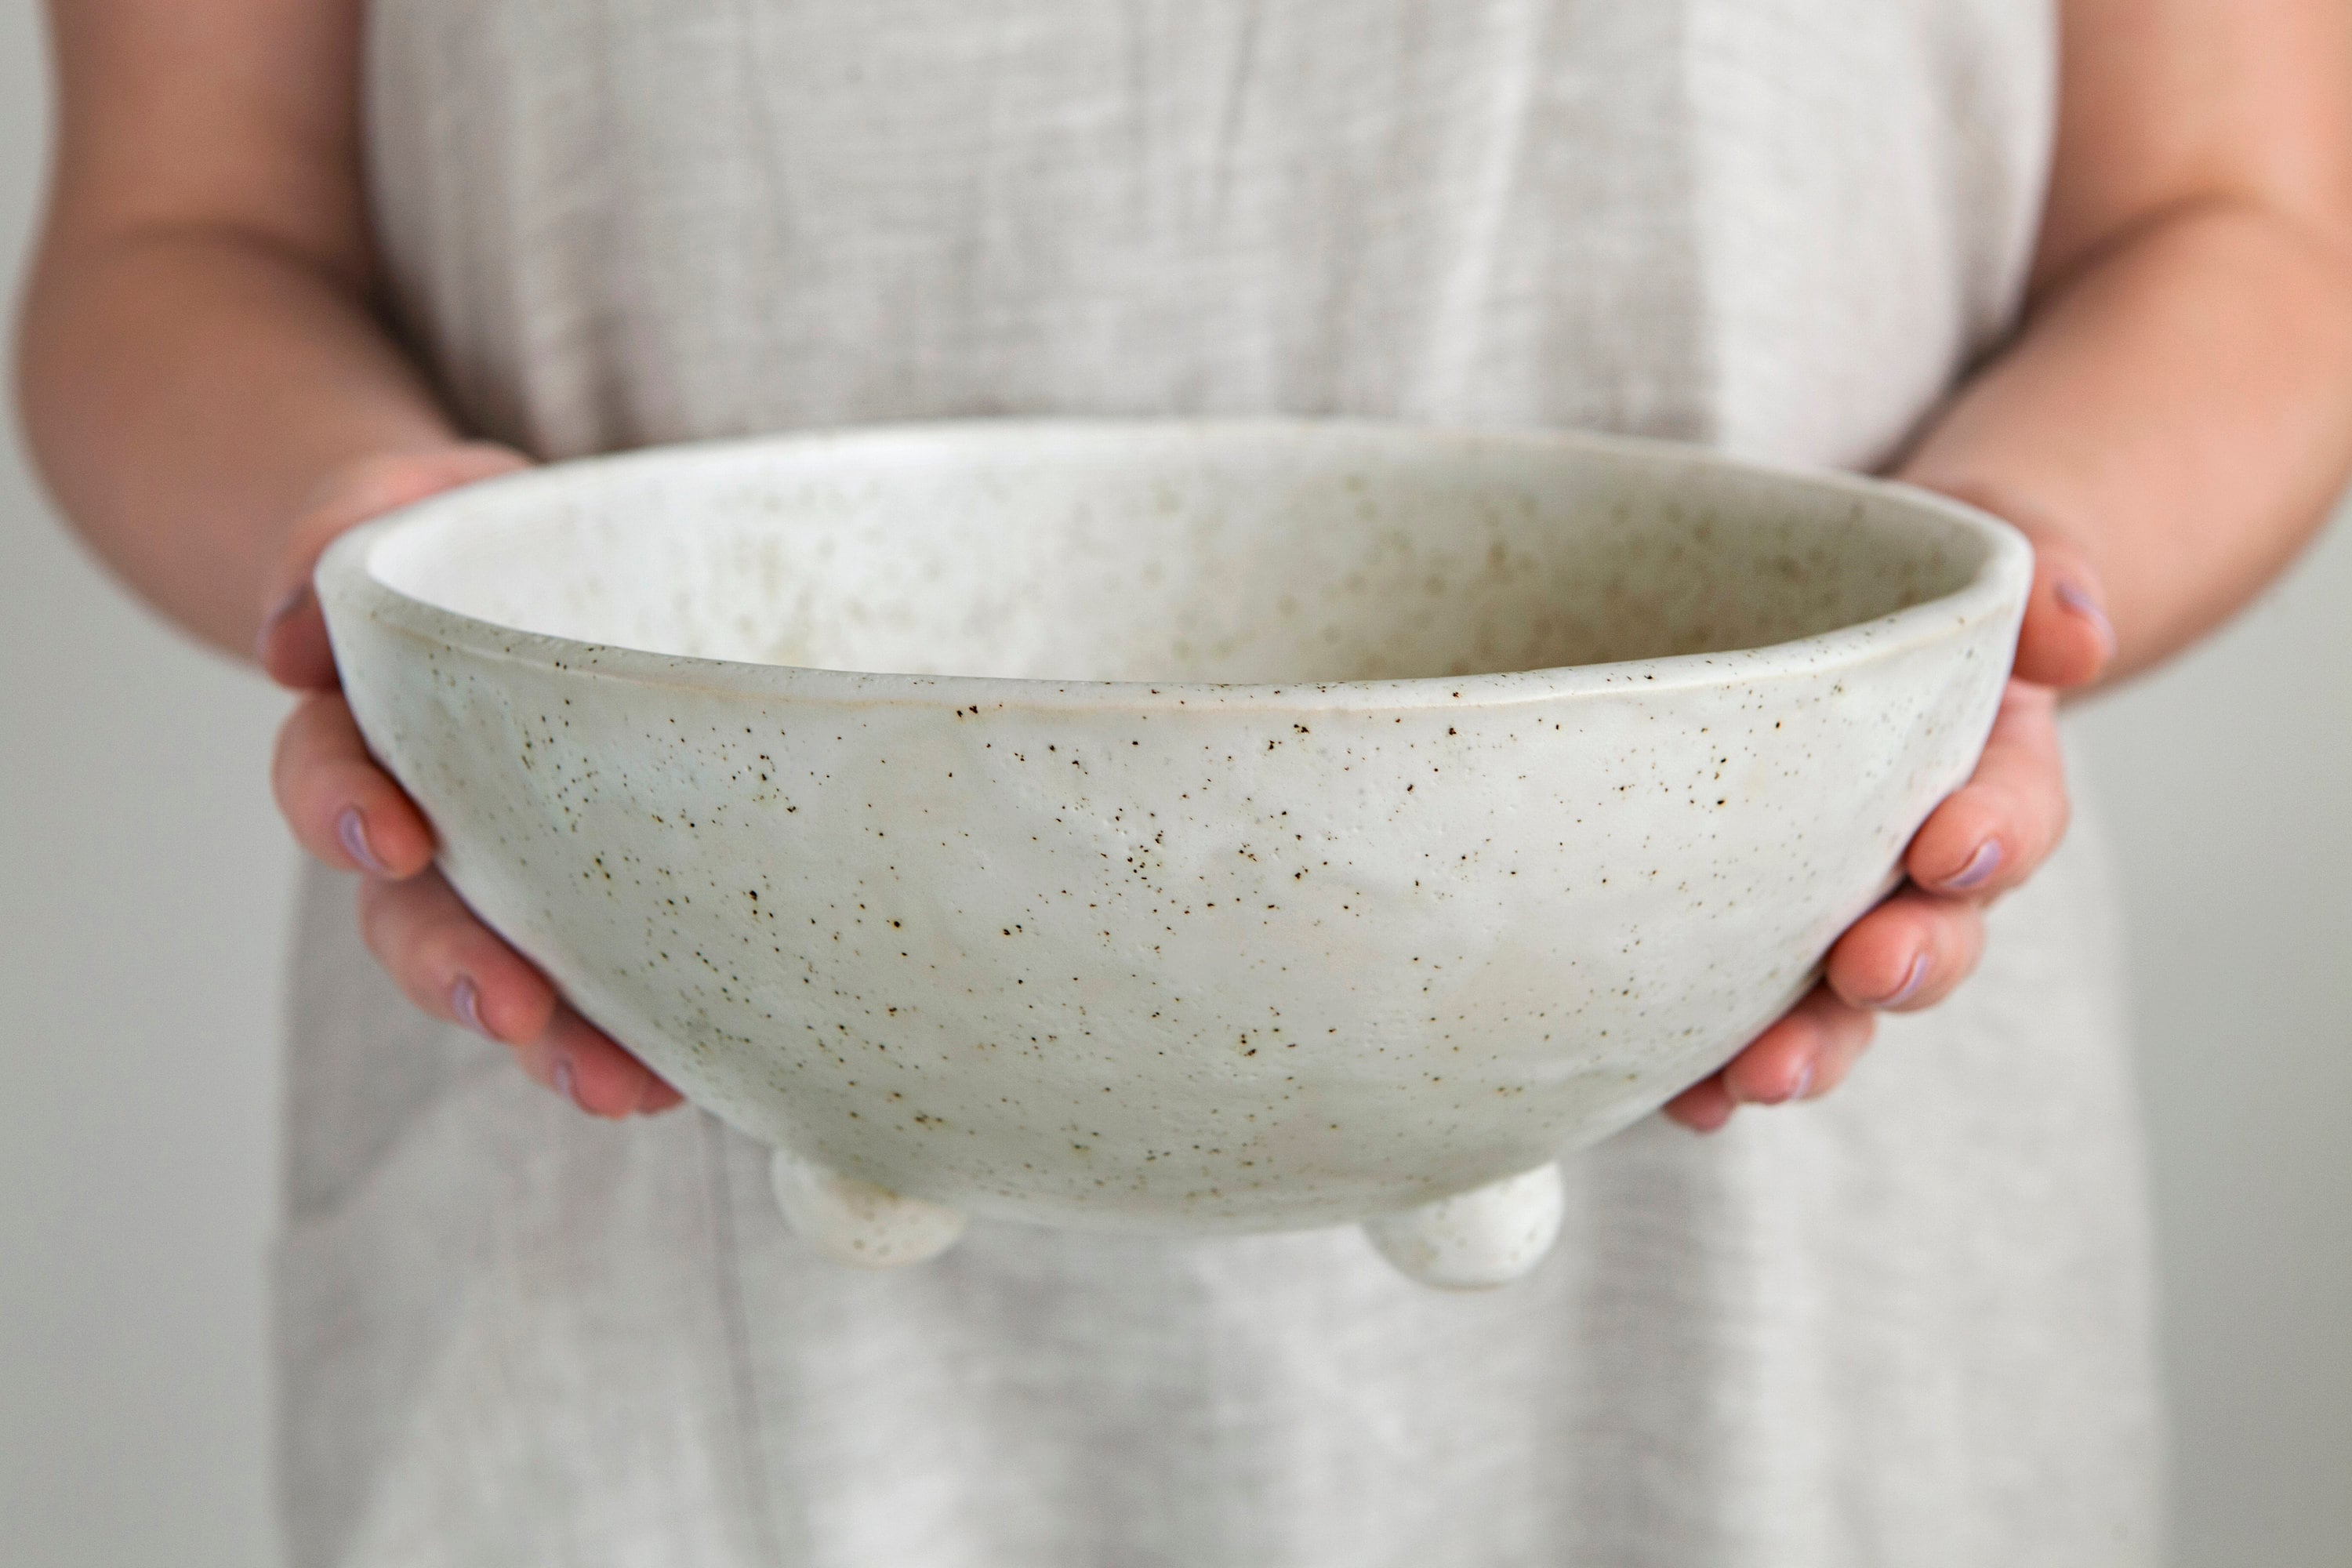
(345,582)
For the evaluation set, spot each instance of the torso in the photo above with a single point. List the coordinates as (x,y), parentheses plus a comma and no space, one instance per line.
(1905,1324)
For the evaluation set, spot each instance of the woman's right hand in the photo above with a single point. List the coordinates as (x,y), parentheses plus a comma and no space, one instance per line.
(350,813)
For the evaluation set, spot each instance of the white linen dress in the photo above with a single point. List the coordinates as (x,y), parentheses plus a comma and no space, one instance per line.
(1907,1324)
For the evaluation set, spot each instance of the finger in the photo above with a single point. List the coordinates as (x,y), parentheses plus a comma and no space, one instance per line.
(1704,1107)
(2067,639)
(1786,1061)
(1991,834)
(449,963)
(344,809)
(1907,954)
(291,645)
(592,1070)
(1846,1033)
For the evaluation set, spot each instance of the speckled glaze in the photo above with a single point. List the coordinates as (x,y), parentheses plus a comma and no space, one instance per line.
(1188,828)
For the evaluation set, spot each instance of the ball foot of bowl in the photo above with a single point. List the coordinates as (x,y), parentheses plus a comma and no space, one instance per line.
(858,1222)
(1476,1240)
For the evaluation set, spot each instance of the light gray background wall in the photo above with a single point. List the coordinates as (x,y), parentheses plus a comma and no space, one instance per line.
(142,904)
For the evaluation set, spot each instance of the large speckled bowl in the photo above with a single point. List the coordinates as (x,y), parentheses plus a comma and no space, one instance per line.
(1177,826)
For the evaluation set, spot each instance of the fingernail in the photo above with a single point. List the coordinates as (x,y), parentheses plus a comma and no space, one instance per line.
(1801,1085)
(270,622)
(1914,978)
(465,1001)
(567,1082)
(1980,868)
(2078,602)
(351,832)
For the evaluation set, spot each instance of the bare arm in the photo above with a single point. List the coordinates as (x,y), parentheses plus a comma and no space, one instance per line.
(2179,407)
(212,397)
(2171,425)
(199,350)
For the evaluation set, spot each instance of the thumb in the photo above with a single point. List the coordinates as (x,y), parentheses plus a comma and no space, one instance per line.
(291,645)
(2067,639)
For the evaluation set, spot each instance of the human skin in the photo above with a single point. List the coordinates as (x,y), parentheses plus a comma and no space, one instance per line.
(212,396)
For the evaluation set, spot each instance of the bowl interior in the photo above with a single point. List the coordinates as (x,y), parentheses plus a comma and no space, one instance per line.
(1173,553)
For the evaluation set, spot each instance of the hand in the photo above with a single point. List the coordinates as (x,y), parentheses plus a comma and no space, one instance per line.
(1987,838)
(350,813)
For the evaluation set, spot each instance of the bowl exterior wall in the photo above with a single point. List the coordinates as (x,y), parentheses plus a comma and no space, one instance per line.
(1214,966)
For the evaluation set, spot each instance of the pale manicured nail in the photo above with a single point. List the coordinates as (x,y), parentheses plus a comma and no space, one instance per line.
(1980,868)
(567,1082)
(2079,603)
(1802,1084)
(351,832)
(1912,979)
(465,1001)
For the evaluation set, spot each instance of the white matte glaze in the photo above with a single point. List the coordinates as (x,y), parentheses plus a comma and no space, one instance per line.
(1169,826)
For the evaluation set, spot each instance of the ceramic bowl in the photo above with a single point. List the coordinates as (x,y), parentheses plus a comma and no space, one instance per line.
(1188,828)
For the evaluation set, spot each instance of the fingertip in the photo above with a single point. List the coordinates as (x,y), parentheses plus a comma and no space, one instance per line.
(512,1004)
(1951,844)
(610,1084)
(2067,639)
(2088,604)
(1906,988)
(1909,953)
(592,1070)
(1775,1075)
(1877,957)
(1958,864)
(358,844)
(2067,657)
(1886,976)
(1801,1082)
(1846,1034)
(1705,1107)
(398,833)
(1991,834)
(379,834)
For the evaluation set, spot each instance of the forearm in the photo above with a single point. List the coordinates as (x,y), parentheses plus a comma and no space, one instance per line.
(2180,409)
(186,388)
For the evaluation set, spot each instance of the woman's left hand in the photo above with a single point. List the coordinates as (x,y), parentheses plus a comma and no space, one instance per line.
(1987,838)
